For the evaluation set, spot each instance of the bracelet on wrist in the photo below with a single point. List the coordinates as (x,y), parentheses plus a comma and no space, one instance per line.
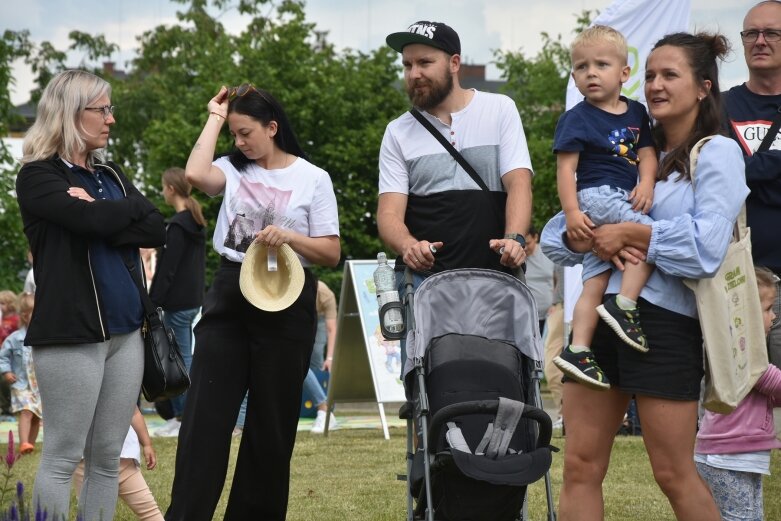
(217,114)
(330,358)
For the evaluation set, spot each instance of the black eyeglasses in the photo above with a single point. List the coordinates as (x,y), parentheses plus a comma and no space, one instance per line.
(751,36)
(107,110)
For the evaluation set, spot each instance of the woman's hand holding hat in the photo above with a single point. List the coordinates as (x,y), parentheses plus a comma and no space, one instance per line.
(274,236)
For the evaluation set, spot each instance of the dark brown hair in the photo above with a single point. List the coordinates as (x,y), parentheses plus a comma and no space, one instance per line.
(702,51)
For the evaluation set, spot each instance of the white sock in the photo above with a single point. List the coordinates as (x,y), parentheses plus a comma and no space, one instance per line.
(320,414)
(579,349)
(625,303)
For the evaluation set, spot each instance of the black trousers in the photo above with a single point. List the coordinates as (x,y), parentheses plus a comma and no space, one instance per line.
(238,348)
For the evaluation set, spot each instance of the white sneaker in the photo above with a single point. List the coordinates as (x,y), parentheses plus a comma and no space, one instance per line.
(169,428)
(319,425)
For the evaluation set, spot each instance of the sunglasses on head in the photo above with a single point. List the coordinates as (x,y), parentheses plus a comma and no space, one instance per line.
(244,89)
(241,90)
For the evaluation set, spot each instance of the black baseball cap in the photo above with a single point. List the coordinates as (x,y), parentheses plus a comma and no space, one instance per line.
(435,34)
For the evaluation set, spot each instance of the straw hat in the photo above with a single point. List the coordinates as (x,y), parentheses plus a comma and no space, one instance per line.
(271,290)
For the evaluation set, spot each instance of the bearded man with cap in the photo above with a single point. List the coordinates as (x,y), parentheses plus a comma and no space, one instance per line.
(430,210)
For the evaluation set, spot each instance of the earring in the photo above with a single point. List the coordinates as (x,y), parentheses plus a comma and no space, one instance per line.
(699,98)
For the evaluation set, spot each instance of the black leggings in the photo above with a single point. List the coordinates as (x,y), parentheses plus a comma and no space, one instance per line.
(238,348)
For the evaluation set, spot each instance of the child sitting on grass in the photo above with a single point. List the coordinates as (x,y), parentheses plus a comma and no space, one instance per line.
(733,450)
(16,366)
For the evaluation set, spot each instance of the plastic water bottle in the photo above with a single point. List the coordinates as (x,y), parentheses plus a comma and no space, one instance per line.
(385,285)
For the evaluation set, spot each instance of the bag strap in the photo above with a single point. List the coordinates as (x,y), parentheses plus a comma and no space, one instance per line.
(740,223)
(771,134)
(149,307)
(450,148)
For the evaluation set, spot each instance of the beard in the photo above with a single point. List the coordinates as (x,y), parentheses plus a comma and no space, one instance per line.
(438,90)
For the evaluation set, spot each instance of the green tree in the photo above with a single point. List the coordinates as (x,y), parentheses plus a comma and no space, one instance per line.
(538,85)
(338,103)
(13,246)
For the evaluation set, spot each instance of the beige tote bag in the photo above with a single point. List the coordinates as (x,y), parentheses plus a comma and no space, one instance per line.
(731,319)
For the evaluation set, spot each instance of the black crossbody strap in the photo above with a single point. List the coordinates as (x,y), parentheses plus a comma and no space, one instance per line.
(135,274)
(771,133)
(450,148)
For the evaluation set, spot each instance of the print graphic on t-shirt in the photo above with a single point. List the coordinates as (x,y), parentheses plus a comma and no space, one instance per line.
(751,133)
(253,207)
(623,143)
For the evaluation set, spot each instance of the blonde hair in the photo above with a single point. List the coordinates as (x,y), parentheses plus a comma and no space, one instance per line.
(765,277)
(26,304)
(8,297)
(601,34)
(57,127)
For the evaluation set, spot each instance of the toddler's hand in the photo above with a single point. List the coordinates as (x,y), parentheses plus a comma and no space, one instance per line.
(579,226)
(150,456)
(642,198)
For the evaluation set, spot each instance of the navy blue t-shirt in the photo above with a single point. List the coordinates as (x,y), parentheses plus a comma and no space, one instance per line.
(607,143)
(118,293)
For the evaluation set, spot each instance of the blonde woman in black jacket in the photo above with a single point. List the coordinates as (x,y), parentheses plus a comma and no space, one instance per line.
(82,217)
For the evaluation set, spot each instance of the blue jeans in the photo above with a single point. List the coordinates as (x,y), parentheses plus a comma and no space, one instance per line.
(182,324)
(321,340)
(313,388)
(242,413)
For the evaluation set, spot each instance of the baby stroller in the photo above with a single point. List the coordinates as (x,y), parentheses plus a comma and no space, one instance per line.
(480,433)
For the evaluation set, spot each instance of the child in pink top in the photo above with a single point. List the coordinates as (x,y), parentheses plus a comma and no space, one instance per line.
(733,450)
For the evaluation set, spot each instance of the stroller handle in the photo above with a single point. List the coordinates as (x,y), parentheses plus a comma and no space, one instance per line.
(442,416)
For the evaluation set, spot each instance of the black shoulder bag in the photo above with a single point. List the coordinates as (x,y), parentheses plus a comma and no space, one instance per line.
(165,375)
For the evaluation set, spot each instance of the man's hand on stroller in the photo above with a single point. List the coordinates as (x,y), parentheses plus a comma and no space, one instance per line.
(513,254)
(420,255)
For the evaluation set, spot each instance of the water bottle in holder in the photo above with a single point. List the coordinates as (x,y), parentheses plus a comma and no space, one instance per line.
(391,311)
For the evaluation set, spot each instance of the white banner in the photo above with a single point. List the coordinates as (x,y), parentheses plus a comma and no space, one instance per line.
(643,23)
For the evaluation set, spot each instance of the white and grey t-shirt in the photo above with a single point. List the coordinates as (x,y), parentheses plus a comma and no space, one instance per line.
(444,203)
(299,197)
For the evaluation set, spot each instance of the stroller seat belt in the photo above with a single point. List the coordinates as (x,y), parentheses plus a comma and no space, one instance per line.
(499,434)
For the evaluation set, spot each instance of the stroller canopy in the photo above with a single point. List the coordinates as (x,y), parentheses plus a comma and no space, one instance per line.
(478,302)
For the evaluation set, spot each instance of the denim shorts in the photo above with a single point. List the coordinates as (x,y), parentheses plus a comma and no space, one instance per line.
(606,205)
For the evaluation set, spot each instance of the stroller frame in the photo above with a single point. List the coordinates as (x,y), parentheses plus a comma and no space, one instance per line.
(419,411)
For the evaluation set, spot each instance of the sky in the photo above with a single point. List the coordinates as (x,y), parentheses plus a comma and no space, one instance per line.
(483,25)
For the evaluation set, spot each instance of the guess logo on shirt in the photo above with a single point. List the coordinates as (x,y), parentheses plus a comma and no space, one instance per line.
(751,133)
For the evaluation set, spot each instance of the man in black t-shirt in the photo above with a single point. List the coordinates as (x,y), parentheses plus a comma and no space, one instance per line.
(751,109)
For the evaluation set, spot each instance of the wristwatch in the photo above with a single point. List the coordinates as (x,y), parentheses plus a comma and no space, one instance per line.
(518,237)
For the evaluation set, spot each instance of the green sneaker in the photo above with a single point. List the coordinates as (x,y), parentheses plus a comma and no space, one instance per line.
(583,368)
(626,324)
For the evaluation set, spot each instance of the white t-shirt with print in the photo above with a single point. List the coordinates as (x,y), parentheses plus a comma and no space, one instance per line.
(299,197)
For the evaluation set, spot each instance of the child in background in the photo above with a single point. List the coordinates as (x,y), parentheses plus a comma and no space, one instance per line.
(133,489)
(16,367)
(9,319)
(606,139)
(733,450)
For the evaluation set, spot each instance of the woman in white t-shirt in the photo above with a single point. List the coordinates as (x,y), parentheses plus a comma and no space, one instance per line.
(271,194)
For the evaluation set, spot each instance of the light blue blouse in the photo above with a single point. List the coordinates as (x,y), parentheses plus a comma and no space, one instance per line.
(691,232)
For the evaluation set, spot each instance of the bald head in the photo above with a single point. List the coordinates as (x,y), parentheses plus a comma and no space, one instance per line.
(761,49)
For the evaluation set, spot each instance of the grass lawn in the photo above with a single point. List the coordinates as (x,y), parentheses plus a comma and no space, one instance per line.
(352,475)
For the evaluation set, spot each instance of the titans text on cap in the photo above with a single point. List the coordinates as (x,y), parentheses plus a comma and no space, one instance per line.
(434,34)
